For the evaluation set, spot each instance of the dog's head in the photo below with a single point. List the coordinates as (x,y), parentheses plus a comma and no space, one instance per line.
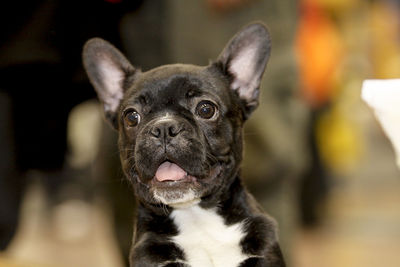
(180,126)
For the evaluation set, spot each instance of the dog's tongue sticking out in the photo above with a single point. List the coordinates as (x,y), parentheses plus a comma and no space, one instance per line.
(169,171)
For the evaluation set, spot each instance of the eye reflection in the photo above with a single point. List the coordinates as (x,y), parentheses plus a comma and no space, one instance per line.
(132,118)
(206,109)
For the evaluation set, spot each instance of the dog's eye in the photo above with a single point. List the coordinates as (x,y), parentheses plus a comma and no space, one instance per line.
(206,109)
(132,118)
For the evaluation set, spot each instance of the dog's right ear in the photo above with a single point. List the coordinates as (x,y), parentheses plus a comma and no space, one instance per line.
(108,71)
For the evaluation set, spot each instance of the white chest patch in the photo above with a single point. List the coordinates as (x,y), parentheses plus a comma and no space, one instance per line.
(206,240)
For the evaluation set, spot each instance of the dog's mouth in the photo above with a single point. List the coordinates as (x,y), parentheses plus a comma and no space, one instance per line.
(173,185)
(169,171)
(170,175)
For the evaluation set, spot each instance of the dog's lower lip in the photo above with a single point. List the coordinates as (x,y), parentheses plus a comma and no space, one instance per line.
(167,183)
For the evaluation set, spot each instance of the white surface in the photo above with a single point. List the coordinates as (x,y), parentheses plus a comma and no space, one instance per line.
(383,96)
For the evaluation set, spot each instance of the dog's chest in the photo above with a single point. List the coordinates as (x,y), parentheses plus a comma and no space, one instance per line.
(206,240)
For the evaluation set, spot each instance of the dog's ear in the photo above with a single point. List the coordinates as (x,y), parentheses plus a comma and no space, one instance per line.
(109,72)
(244,60)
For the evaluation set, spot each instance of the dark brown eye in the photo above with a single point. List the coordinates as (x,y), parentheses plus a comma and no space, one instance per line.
(132,118)
(205,109)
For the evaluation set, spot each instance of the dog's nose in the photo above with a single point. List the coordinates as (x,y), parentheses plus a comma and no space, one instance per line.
(165,129)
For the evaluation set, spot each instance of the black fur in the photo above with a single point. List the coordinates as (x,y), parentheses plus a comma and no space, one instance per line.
(170,129)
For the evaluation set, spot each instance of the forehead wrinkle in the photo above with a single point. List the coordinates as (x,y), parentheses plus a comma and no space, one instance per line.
(173,90)
(181,82)
(165,91)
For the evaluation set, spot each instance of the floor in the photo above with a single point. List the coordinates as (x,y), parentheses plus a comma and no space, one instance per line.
(75,233)
(362,223)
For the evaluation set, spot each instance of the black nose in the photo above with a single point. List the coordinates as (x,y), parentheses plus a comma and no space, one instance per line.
(166,129)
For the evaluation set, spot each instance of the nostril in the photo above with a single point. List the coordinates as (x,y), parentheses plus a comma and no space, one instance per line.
(174,130)
(156,132)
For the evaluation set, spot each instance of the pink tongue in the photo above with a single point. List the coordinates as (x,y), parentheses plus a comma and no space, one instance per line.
(169,171)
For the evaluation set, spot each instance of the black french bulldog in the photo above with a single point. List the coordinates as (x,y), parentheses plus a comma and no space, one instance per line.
(180,136)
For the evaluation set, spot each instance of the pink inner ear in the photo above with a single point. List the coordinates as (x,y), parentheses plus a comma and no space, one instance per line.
(112,78)
(169,171)
(242,67)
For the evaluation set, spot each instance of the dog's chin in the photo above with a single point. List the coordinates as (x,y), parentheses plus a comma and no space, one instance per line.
(177,198)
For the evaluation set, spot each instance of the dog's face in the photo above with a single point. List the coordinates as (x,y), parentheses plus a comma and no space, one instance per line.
(177,126)
(180,126)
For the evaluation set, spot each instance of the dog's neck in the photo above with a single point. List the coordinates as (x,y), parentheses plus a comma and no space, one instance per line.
(232,204)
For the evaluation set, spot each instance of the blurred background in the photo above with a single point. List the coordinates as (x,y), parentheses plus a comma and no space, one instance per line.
(315,157)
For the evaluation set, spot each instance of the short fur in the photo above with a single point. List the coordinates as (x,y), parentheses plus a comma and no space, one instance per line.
(207,218)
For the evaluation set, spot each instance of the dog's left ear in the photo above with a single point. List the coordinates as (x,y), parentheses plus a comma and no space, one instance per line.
(244,59)
(109,72)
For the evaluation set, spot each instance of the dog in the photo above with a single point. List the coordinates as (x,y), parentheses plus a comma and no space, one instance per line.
(180,138)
